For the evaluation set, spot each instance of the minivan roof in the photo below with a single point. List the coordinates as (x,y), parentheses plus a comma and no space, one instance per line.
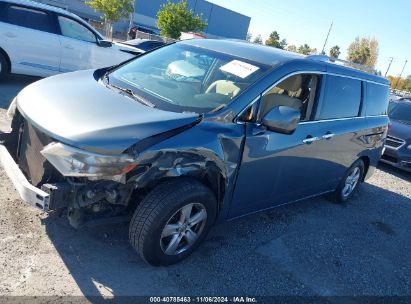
(40,5)
(47,7)
(274,57)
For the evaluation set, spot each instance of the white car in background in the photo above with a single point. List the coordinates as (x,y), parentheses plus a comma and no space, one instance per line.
(42,40)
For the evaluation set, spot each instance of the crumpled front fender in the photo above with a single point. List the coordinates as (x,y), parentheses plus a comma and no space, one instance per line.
(208,151)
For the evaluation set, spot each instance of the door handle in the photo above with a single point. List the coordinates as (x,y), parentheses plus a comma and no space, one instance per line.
(328,135)
(310,139)
(10,35)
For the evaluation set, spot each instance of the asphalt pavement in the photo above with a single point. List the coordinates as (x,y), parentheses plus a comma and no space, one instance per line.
(10,87)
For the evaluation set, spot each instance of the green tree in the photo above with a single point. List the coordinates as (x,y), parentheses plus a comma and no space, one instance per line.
(274,41)
(304,49)
(292,48)
(258,39)
(402,84)
(407,84)
(313,51)
(112,10)
(174,18)
(335,51)
(363,51)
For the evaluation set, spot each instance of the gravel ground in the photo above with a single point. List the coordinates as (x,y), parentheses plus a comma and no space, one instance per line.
(315,247)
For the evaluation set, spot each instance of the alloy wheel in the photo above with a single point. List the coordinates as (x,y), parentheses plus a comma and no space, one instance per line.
(183,229)
(351,181)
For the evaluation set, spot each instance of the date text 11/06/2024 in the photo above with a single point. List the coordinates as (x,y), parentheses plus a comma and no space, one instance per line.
(203,300)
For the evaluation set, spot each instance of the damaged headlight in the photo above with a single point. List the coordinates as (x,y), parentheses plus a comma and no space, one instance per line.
(12,109)
(70,161)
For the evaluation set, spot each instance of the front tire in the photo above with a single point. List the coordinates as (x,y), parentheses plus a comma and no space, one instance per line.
(172,221)
(4,67)
(350,182)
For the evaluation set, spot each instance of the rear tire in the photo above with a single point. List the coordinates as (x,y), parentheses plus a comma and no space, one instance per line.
(4,67)
(350,182)
(166,226)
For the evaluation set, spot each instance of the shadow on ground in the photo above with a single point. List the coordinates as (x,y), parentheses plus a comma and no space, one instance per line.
(315,247)
(404,175)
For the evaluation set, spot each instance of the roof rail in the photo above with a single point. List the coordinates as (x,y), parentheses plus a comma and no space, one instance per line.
(325,58)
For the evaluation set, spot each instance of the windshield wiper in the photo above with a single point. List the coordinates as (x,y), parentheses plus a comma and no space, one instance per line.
(130,93)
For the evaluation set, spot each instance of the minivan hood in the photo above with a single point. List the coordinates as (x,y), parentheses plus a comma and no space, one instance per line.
(79,110)
(400,130)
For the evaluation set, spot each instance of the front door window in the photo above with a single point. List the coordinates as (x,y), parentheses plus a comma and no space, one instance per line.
(73,29)
(297,92)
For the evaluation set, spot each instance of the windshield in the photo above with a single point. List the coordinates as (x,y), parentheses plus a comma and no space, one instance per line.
(181,78)
(400,111)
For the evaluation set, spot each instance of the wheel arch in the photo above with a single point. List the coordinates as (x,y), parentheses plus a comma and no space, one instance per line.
(366,161)
(6,56)
(208,169)
(213,181)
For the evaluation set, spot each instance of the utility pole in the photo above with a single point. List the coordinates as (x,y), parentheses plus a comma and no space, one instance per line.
(389,65)
(402,71)
(326,39)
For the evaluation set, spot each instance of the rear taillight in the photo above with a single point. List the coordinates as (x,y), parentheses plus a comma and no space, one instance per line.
(389,125)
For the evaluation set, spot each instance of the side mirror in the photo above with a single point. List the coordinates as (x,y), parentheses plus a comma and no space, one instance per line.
(282,119)
(104,43)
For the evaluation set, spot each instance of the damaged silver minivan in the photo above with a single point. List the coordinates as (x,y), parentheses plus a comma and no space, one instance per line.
(193,133)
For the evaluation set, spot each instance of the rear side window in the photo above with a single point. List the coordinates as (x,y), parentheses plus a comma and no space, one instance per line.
(28,17)
(376,99)
(342,98)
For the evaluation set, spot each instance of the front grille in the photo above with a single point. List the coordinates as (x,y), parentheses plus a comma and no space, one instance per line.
(393,142)
(36,168)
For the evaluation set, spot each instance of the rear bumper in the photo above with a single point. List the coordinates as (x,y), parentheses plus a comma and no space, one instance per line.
(28,193)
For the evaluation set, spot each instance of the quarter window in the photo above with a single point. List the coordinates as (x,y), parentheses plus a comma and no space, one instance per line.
(342,98)
(73,29)
(298,92)
(29,18)
(376,100)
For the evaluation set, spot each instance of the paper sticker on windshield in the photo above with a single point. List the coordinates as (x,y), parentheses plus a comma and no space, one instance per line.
(239,68)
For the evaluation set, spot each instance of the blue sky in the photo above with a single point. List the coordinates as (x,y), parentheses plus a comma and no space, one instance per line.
(302,21)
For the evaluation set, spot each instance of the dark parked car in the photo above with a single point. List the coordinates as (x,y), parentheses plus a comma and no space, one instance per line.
(398,142)
(144,45)
(260,128)
(132,32)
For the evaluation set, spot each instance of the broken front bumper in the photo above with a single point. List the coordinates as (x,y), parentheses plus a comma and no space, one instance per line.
(30,194)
